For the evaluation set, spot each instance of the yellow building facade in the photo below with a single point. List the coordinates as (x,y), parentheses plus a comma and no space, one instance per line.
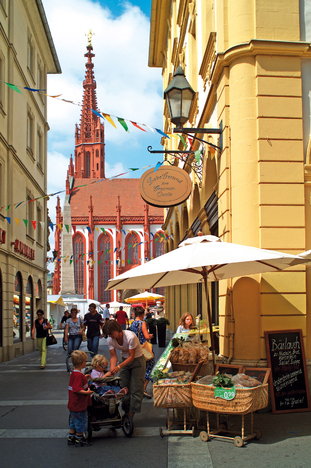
(27,55)
(250,64)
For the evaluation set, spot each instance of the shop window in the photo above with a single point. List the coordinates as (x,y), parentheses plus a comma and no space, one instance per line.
(39,295)
(1,309)
(79,263)
(132,249)
(29,306)
(17,307)
(105,257)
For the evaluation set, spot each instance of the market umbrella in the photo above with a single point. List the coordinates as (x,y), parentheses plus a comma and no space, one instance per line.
(146,297)
(201,259)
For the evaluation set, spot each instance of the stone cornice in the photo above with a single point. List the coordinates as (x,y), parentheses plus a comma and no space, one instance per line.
(75,220)
(259,47)
(308,174)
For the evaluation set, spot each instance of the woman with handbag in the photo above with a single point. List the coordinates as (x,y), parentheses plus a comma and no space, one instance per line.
(139,327)
(73,334)
(41,326)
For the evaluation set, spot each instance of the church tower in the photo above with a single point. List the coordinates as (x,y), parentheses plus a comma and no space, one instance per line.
(90,134)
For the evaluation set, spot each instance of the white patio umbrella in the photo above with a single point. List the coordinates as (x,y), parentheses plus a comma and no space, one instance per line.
(201,259)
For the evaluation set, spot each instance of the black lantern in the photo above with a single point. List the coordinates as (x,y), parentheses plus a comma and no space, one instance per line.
(179,96)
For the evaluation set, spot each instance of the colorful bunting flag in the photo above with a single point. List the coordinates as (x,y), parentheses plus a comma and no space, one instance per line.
(34,224)
(26,223)
(123,123)
(107,117)
(12,86)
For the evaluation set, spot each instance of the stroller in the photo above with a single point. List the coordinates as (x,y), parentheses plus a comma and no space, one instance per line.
(105,412)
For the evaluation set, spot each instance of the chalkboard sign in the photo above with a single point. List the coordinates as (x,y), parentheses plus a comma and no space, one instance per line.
(259,373)
(289,387)
(228,369)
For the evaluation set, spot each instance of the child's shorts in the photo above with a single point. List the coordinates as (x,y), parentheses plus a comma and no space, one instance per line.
(78,421)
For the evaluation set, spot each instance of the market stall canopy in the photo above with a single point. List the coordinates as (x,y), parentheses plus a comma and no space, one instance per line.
(54,299)
(146,297)
(201,259)
(114,305)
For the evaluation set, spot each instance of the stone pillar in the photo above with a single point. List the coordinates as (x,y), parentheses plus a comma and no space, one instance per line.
(67,277)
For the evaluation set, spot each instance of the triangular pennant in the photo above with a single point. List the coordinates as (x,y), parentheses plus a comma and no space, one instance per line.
(103,230)
(59,227)
(137,126)
(42,224)
(159,164)
(12,86)
(67,227)
(51,225)
(198,155)
(96,113)
(89,229)
(161,133)
(123,123)
(34,223)
(8,219)
(17,221)
(107,117)
(25,222)
(74,229)
(182,139)
(99,262)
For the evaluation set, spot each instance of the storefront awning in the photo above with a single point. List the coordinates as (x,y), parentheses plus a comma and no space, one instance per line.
(56,300)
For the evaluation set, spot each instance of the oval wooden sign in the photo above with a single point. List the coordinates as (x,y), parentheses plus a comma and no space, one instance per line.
(168,186)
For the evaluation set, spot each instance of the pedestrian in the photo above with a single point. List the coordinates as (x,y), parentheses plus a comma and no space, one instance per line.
(41,326)
(132,366)
(73,334)
(52,321)
(122,318)
(106,313)
(139,327)
(64,318)
(78,400)
(94,323)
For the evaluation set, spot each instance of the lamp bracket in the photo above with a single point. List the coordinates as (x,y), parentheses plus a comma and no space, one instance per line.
(195,166)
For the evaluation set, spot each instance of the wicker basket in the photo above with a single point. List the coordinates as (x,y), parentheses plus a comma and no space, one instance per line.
(172,396)
(247,400)
(191,367)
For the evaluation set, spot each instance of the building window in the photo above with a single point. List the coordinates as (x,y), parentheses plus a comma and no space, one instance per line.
(97,166)
(79,263)
(1,310)
(17,307)
(97,153)
(29,306)
(39,227)
(105,256)
(30,136)
(88,164)
(2,79)
(30,55)
(39,148)
(1,183)
(131,249)
(29,214)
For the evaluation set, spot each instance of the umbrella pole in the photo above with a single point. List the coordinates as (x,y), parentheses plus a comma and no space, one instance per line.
(209,314)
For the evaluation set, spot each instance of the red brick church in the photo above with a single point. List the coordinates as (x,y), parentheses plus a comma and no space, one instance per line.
(105,227)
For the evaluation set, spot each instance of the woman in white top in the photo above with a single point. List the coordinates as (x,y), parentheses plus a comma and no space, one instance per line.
(132,366)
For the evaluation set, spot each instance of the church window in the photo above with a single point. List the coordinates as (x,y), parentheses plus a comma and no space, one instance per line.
(97,166)
(79,263)
(131,249)
(105,257)
(97,153)
(88,164)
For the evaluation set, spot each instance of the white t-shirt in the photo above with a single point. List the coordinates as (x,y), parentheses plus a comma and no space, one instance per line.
(130,341)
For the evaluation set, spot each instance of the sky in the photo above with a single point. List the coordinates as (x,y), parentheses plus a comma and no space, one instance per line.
(126,86)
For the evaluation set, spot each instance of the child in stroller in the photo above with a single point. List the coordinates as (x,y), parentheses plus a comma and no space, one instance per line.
(100,379)
(107,395)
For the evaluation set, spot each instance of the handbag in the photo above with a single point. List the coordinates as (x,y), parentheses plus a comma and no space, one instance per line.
(146,348)
(83,334)
(50,339)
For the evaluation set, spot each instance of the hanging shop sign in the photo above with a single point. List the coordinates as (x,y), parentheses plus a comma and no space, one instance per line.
(23,249)
(167,186)
(2,236)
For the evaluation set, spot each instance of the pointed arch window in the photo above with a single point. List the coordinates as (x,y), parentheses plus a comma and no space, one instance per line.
(132,249)
(88,164)
(79,263)
(105,257)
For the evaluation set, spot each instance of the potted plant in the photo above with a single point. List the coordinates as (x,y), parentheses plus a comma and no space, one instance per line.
(161,325)
(151,324)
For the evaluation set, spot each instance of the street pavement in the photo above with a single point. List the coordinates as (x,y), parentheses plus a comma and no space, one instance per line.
(34,427)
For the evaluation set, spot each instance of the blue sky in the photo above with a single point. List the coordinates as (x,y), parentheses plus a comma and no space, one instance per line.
(126,86)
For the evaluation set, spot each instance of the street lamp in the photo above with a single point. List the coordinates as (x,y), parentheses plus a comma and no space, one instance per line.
(179,96)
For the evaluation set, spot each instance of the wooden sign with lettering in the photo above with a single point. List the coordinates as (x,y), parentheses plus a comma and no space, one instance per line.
(167,186)
(289,389)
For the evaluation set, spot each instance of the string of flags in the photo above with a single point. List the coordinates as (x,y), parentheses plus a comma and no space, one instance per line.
(112,119)
(158,236)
